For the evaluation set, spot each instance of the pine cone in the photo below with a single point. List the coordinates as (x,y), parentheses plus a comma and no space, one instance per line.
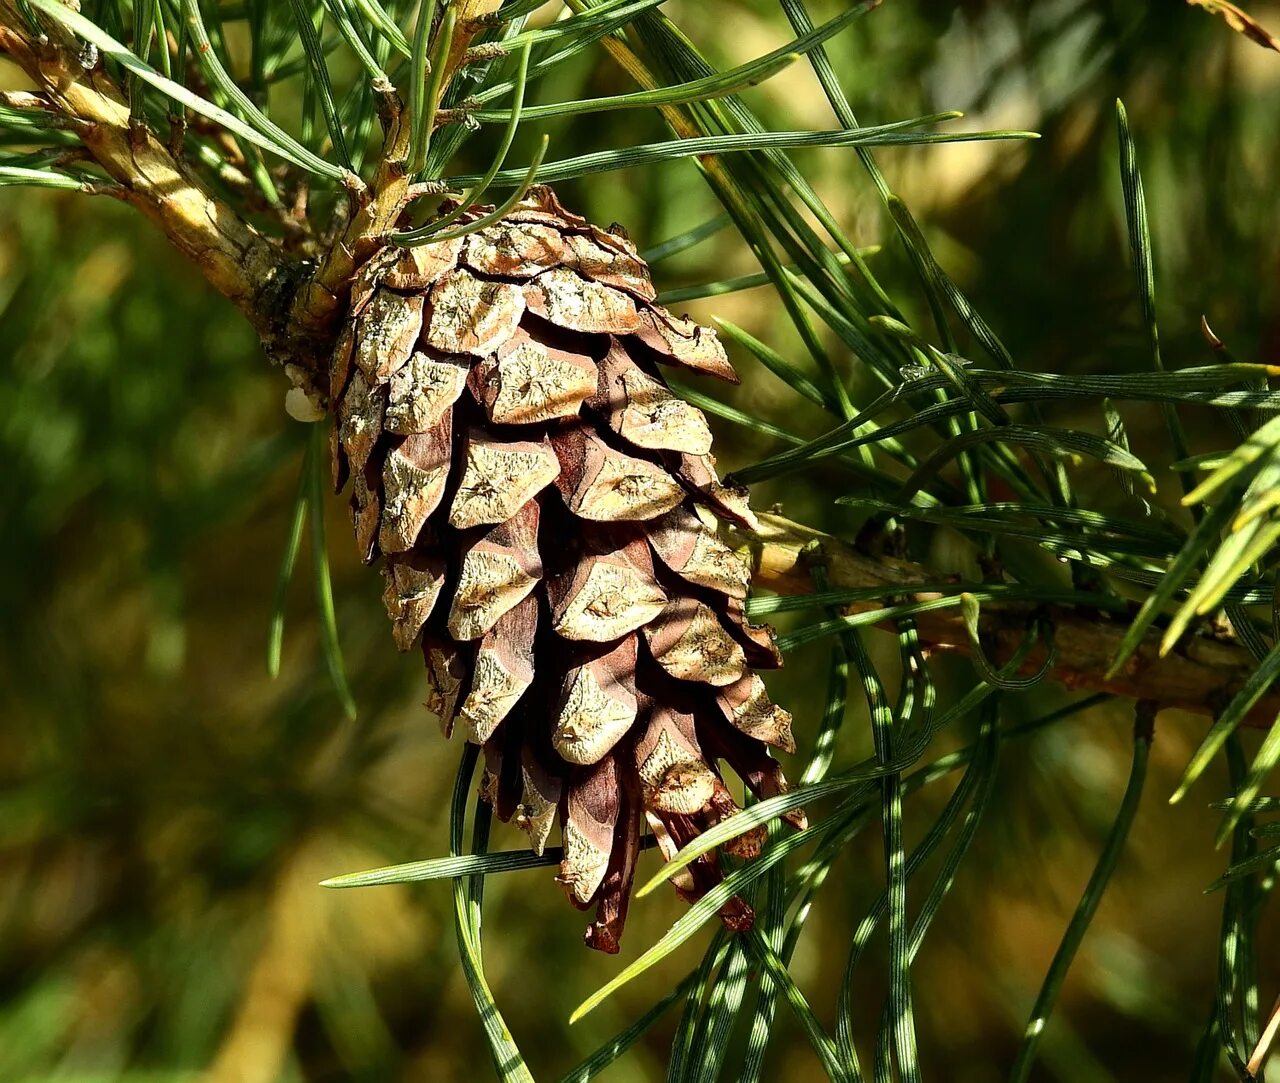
(537,496)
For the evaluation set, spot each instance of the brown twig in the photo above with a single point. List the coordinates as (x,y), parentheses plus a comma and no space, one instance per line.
(1263,1049)
(1200,675)
(242,265)
(323,299)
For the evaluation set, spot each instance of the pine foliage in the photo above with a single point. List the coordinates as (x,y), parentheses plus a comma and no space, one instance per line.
(488,357)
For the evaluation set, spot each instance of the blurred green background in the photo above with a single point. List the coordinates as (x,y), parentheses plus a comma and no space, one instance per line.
(166,810)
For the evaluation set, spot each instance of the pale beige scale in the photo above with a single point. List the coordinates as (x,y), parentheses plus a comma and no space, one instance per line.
(495,690)
(538,810)
(685,343)
(667,752)
(489,585)
(389,330)
(590,721)
(688,548)
(530,382)
(584,864)
(410,596)
(703,650)
(627,488)
(499,478)
(472,315)
(653,417)
(422,265)
(684,788)
(752,712)
(611,263)
(613,601)
(410,494)
(422,391)
(568,300)
(514,249)
(359,421)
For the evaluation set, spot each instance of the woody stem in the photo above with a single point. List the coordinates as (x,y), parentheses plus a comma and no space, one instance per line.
(1200,675)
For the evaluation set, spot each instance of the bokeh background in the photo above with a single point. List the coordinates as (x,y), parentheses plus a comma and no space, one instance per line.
(166,810)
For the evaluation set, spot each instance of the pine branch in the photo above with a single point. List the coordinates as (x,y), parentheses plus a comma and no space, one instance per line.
(1200,675)
(293,308)
(296,319)
(247,268)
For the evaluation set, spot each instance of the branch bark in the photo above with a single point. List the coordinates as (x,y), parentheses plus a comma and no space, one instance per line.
(247,268)
(1200,675)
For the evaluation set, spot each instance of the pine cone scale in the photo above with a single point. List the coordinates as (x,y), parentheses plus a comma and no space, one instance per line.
(499,478)
(598,705)
(421,393)
(498,570)
(472,315)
